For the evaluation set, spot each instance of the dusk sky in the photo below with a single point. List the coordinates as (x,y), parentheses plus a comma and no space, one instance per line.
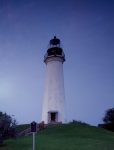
(86,30)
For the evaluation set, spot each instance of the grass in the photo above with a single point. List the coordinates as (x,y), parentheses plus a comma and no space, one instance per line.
(22,127)
(66,137)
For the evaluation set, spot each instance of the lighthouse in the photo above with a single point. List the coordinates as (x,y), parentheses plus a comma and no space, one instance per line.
(53,110)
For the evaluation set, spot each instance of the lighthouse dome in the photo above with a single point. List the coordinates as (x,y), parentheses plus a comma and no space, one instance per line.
(55,42)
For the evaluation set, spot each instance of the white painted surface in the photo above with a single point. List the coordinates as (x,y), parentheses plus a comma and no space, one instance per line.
(54,97)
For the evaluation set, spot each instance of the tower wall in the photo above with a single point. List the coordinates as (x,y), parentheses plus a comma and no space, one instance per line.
(54,97)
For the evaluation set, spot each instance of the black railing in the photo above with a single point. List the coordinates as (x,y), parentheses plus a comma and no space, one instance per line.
(54,55)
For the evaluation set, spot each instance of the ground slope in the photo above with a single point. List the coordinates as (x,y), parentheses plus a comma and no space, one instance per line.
(66,137)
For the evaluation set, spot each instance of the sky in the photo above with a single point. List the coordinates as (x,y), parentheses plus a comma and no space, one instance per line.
(86,31)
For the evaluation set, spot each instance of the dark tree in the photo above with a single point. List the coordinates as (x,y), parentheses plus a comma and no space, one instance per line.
(7,126)
(109,116)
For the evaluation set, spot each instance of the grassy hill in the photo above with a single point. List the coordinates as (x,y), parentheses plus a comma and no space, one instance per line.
(66,137)
(22,127)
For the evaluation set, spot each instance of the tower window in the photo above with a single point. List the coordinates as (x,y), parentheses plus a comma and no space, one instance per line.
(52,117)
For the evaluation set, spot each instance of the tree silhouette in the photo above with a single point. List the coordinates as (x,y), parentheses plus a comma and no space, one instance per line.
(7,126)
(109,116)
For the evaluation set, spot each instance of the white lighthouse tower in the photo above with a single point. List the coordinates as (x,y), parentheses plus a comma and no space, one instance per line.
(54,97)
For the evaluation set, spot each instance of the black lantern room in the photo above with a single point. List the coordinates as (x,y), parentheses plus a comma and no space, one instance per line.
(54,49)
